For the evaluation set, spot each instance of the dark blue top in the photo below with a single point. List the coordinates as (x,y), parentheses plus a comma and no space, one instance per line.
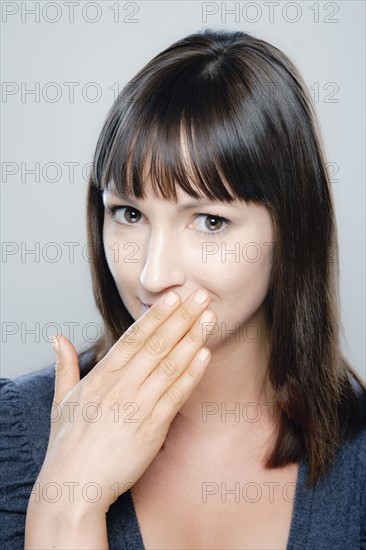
(332,516)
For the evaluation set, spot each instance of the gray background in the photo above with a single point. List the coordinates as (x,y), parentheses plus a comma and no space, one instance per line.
(42,291)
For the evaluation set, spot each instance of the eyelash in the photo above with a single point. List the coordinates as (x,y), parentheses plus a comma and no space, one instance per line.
(216,234)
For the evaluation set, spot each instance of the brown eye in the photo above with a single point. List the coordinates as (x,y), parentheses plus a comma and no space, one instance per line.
(213,222)
(132,215)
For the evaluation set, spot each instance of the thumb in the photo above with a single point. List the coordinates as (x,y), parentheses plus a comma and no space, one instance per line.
(67,373)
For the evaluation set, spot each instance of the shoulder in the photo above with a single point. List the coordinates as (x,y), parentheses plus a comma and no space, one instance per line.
(28,391)
(34,389)
(352,455)
(25,420)
(353,449)
(25,408)
(25,404)
(350,460)
(333,513)
(347,473)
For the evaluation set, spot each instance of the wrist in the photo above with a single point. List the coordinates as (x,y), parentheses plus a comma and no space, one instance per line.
(57,526)
(73,497)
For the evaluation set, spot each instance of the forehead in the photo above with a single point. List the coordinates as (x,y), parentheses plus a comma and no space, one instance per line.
(181,195)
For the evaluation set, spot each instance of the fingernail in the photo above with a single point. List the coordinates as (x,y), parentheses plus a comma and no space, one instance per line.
(54,342)
(206,316)
(203,354)
(200,297)
(170,299)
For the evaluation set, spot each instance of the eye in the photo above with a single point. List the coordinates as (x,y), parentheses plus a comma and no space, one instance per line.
(213,222)
(131,215)
(215,225)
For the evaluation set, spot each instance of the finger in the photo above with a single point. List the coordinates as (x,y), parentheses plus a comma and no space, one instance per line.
(166,337)
(134,338)
(67,372)
(176,362)
(177,394)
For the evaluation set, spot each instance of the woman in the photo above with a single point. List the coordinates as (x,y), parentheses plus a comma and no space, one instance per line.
(209,178)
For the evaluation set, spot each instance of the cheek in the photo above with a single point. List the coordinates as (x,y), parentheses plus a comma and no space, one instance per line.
(240,281)
(236,266)
(243,282)
(111,250)
(122,258)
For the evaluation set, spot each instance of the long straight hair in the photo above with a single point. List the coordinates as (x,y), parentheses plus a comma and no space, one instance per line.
(252,134)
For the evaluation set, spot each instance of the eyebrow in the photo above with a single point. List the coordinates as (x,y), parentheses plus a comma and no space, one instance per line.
(190,205)
(181,208)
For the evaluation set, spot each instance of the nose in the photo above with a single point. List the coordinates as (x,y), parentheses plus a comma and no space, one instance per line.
(164,264)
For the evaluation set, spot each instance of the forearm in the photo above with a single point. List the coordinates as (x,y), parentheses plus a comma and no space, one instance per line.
(49,526)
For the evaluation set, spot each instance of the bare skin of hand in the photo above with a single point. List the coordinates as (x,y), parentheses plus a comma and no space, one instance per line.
(107,428)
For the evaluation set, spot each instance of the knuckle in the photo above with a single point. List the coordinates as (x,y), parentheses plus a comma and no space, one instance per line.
(156,314)
(175,396)
(130,338)
(118,392)
(94,381)
(112,362)
(184,314)
(156,344)
(148,433)
(60,364)
(61,372)
(193,374)
(123,352)
(195,335)
(168,367)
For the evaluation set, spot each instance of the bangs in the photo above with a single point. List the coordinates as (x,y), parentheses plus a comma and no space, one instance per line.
(197,128)
(167,156)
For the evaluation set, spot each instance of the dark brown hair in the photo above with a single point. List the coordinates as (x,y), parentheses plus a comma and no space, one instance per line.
(248,121)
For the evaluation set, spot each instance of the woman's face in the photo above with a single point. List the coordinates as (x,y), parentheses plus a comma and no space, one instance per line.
(153,246)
